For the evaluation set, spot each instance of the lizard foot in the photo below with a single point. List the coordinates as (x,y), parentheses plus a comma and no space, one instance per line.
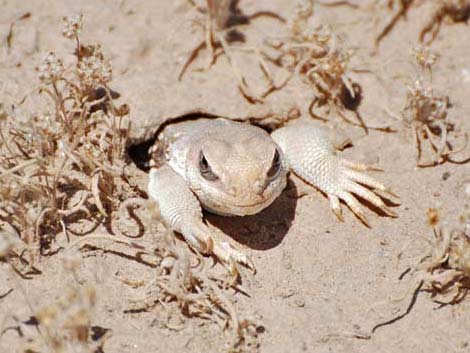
(313,158)
(351,181)
(179,209)
(202,239)
(230,256)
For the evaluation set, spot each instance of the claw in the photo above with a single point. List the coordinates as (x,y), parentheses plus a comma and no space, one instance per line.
(233,270)
(336,207)
(207,246)
(355,206)
(376,201)
(338,213)
(391,193)
(199,239)
(362,217)
(248,263)
(229,256)
(388,211)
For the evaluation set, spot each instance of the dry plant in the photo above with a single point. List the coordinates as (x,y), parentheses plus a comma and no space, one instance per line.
(402,9)
(425,113)
(312,53)
(444,271)
(452,11)
(446,265)
(220,25)
(183,285)
(65,326)
(184,280)
(65,166)
(64,171)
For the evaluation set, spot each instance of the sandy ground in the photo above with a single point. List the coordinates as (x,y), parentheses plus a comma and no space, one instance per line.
(317,280)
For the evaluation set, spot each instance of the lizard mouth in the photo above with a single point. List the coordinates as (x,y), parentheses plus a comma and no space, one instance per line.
(240,209)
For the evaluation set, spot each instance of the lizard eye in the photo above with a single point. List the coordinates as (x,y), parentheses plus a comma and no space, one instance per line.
(275,166)
(205,169)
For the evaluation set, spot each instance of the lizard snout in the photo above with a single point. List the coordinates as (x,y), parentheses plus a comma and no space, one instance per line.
(247,186)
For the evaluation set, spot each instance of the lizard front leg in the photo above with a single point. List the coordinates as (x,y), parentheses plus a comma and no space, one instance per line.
(181,211)
(313,158)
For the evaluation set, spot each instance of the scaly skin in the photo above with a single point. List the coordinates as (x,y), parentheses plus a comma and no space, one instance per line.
(235,169)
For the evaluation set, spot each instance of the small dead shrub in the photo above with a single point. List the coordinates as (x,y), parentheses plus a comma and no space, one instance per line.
(450,11)
(311,53)
(65,168)
(67,164)
(444,270)
(426,115)
(184,280)
(65,326)
(221,27)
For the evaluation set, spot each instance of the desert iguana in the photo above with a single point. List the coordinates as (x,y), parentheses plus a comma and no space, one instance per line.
(237,169)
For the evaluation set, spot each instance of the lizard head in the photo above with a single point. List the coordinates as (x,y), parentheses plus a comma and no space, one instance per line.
(237,174)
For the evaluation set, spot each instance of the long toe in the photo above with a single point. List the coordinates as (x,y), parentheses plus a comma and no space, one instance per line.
(229,256)
(355,206)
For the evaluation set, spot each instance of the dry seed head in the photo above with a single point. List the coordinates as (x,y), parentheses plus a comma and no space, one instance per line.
(51,69)
(459,251)
(337,63)
(304,9)
(72,26)
(93,68)
(424,57)
(418,91)
(320,35)
(424,105)
(432,216)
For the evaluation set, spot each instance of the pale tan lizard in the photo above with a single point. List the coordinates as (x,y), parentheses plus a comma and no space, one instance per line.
(237,169)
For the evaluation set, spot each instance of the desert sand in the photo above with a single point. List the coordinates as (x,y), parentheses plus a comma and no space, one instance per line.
(321,285)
